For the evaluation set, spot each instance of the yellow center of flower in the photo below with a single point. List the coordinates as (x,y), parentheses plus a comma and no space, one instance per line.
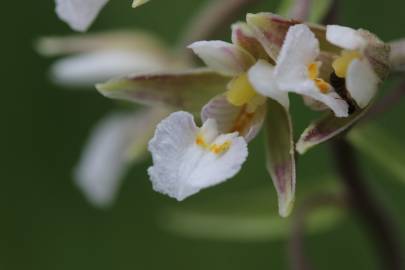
(313,73)
(240,91)
(341,64)
(216,149)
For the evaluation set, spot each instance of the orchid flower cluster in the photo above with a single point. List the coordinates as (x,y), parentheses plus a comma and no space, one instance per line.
(269,57)
(244,88)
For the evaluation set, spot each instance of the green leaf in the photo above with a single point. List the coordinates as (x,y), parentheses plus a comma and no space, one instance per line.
(247,216)
(325,129)
(280,155)
(376,144)
(188,90)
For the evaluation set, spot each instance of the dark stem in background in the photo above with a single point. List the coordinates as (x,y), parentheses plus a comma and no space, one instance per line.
(362,201)
(212,19)
(298,259)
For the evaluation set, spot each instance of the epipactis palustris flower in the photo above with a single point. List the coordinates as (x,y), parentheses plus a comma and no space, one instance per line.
(80,14)
(362,63)
(297,70)
(238,113)
(351,62)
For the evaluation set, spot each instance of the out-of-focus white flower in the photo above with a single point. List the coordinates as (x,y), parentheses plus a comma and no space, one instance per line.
(80,14)
(187,159)
(119,139)
(99,57)
(115,143)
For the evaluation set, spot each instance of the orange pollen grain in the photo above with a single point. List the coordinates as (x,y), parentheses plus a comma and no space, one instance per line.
(218,149)
(322,85)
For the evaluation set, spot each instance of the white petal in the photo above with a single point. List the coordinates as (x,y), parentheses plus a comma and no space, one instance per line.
(225,58)
(91,68)
(331,99)
(115,141)
(79,14)
(300,49)
(110,40)
(361,82)
(181,168)
(345,37)
(103,163)
(261,76)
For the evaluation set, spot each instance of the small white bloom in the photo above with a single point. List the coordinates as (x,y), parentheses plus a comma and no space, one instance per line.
(99,57)
(79,14)
(361,80)
(297,70)
(98,66)
(241,109)
(187,159)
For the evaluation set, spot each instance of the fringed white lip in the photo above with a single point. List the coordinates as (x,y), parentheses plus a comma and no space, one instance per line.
(187,159)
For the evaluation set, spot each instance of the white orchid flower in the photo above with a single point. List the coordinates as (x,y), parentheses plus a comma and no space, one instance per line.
(80,14)
(233,60)
(298,70)
(271,31)
(354,64)
(241,108)
(187,159)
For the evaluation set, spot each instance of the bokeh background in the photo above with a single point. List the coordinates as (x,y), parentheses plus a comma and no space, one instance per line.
(46,223)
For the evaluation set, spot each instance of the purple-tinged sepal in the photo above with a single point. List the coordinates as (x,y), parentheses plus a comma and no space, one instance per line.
(281,155)
(326,128)
(189,90)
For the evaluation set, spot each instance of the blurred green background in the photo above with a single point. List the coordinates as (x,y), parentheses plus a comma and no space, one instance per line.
(45,222)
